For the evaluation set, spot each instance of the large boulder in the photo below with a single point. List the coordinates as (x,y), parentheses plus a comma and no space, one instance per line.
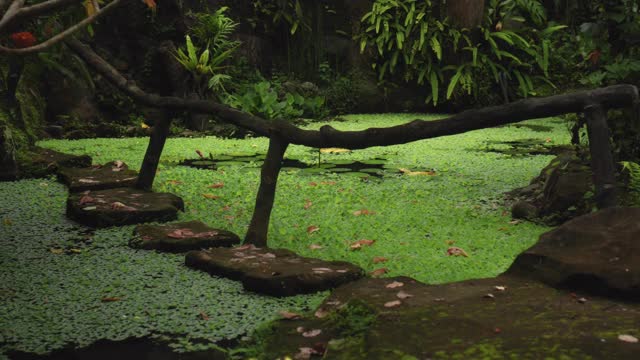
(500,318)
(599,252)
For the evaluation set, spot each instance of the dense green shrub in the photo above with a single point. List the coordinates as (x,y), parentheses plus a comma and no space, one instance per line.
(413,44)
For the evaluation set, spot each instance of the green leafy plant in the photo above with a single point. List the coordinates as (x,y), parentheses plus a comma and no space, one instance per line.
(633,169)
(262,99)
(413,44)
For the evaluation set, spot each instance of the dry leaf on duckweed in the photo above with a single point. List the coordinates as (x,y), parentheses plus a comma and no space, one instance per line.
(7,221)
(334,150)
(416,173)
(393,303)
(357,245)
(203,316)
(363,212)
(200,154)
(56,251)
(394,285)
(456,251)
(110,299)
(627,338)
(307,204)
(86,199)
(211,196)
(174,182)
(289,315)
(217,185)
(311,229)
(315,247)
(379,259)
(403,295)
(379,272)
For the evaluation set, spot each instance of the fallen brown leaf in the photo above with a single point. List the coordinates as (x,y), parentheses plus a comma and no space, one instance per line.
(307,204)
(203,316)
(311,229)
(56,251)
(379,272)
(363,212)
(110,299)
(217,185)
(315,247)
(289,315)
(200,154)
(174,182)
(403,295)
(393,303)
(86,199)
(356,245)
(334,150)
(312,333)
(379,259)
(211,196)
(456,251)
(394,285)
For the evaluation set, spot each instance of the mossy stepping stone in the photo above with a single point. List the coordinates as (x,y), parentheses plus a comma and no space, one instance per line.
(277,272)
(499,318)
(184,236)
(42,162)
(108,176)
(122,206)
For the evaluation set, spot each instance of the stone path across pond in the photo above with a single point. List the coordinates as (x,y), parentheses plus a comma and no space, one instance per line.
(98,177)
(122,206)
(183,236)
(277,272)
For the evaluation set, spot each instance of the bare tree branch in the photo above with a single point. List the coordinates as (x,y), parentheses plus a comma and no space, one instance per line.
(63,35)
(45,7)
(11,12)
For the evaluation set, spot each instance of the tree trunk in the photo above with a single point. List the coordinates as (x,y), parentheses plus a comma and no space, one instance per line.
(159,133)
(466,13)
(259,227)
(602,164)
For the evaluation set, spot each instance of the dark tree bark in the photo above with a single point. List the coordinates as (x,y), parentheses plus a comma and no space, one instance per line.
(466,13)
(259,227)
(602,164)
(159,134)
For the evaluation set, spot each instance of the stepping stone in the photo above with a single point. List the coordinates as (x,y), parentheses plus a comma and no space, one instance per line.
(500,318)
(277,272)
(178,237)
(598,252)
(122,206)
(108,176)
(44,162)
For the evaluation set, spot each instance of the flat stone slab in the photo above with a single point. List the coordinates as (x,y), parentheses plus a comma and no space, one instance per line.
(598,252)
(179,237)
(98,177)
(500,318)
(45,162)
(122,206)
(277,272)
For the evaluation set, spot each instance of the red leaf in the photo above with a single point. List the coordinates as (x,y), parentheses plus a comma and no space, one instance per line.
(110,299)
(307,204)
(23,39)
(379,259)
(216,185)
(356,245)
(313,184)
(181,233)
(311,229)
(289,315)
(86,199)
(379,272)
(150,3)
(456,251)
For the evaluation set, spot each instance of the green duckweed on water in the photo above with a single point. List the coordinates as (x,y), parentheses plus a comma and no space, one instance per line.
(55,275)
